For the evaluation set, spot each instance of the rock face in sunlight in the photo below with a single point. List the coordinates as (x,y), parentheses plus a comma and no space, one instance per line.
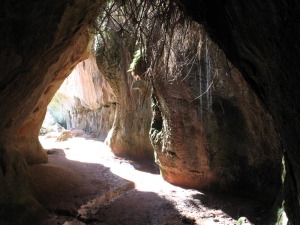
(209,129)
(40,44)
(85,100)
(261,39)
(129,135)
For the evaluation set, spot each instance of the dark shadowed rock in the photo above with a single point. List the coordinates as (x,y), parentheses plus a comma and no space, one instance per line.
(40,44)
(261,39)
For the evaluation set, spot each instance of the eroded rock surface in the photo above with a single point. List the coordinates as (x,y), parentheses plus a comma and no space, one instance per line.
(209,129)
(261,39)
(203,131)
(129,135)
(40,44)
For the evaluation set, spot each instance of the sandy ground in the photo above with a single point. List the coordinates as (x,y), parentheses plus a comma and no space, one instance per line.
(84,183)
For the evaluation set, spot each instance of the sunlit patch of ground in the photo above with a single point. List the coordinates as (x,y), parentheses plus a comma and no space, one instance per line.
(158,201)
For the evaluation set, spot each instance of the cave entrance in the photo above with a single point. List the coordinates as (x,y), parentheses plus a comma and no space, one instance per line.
(37,59)
(95,108)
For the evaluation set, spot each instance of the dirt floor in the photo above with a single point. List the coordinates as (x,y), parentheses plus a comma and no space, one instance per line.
(84,183)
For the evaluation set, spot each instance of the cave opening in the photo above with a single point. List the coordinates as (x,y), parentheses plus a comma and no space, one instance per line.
(205,127)
(193,111)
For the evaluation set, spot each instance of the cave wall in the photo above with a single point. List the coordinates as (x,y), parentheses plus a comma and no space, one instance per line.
(85,100)
(40,44)
(129,134)
(261,39)
(209,129)
(244,147)
(34,63)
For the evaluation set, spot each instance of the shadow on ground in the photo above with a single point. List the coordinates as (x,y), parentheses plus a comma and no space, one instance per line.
(75,192)
(84,183)
(237,206)
(142,208)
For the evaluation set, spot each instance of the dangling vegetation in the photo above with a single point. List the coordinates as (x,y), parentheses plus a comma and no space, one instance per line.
(152,29)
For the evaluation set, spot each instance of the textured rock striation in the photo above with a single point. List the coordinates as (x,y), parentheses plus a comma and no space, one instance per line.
(40,44)
(209,129)
(261,39)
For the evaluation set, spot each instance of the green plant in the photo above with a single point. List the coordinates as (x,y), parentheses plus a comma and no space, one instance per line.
(136,58)
(241,221)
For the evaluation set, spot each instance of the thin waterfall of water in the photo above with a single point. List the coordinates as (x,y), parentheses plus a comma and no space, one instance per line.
(205,73)
(208,75)
(210,85)
(200,88)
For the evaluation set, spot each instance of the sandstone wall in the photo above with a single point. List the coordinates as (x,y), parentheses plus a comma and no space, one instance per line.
(129,135)
(40,43)
(209,129)
(208,125)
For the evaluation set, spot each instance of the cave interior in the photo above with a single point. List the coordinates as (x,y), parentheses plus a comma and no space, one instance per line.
(206,92)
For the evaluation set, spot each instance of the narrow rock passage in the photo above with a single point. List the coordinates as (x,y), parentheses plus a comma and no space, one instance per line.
(84,183)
